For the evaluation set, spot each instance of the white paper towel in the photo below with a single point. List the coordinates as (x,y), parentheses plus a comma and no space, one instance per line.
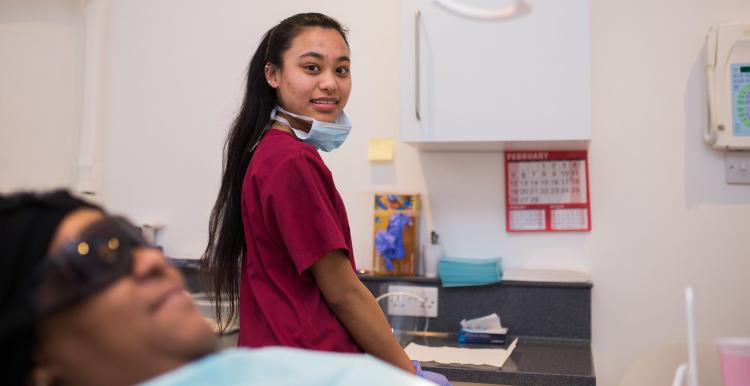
(465,356)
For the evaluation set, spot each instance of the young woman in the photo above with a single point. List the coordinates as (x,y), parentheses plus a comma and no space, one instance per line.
(279,235)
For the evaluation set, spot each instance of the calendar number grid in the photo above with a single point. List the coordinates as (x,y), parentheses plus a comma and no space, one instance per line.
(547,191)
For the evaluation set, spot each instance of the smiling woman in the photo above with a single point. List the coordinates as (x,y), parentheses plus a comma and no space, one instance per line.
(144,318)
(279,222)
(86,300)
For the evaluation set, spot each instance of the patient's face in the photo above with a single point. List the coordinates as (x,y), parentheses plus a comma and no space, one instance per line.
(141,325)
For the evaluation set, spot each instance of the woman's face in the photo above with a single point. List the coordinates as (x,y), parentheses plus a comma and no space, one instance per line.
(141,325)
(314,80)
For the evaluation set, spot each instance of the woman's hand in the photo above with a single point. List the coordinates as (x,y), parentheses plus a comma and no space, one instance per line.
(439,379)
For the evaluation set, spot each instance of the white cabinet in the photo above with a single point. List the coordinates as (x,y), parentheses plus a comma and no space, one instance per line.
(470,84)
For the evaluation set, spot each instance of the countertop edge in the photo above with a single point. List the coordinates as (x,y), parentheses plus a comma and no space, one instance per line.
(436,281)
(503,378)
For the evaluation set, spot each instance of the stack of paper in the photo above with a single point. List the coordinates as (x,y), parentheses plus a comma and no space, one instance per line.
(455,272)
(465,356)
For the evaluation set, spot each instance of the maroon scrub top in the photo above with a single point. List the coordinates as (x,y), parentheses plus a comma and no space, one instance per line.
(292,216)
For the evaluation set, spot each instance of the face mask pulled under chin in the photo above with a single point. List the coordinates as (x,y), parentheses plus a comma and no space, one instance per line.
(325,136)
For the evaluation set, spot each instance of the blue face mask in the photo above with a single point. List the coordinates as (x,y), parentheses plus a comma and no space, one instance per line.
(325,136)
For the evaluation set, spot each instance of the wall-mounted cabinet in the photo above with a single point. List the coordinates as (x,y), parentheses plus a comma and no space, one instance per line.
(469,84)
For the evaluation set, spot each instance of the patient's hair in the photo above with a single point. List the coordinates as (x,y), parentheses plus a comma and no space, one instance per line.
(28,222)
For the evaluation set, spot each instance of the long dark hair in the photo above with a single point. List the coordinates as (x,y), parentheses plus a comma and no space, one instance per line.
(222,258)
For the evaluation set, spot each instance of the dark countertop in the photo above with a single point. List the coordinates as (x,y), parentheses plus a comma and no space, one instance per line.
(535,361)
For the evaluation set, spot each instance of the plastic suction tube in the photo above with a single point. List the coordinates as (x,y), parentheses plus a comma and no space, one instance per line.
(689,369)
(692,353)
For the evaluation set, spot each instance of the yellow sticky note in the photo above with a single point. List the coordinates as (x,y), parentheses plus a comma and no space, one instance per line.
(380,149)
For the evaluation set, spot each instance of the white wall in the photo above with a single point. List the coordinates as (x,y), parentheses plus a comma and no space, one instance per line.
(662,215)
(39,92)
(175,80)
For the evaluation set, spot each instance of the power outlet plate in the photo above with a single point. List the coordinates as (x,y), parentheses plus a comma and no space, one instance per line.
(738,167)
(404,305)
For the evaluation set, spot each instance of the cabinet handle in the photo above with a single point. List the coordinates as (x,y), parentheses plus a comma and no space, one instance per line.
(417,14)
(516,9)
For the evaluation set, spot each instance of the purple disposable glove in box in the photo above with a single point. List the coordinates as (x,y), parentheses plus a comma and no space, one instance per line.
(439,379)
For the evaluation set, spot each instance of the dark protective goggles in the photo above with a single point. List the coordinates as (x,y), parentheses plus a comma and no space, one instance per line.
(102,254)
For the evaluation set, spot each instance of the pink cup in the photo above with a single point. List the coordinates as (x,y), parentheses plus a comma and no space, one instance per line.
(734,354)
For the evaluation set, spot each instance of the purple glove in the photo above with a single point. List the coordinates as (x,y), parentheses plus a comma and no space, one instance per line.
(439,379)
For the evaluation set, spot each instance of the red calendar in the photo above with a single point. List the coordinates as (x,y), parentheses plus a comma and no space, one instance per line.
(547,191)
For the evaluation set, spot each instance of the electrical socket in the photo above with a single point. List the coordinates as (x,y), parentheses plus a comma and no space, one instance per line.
(405,305)
(737,167)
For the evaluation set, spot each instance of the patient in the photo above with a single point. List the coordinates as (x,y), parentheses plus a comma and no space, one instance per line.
(86,301)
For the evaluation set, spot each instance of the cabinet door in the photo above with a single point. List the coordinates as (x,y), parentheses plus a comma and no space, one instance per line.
(524,79)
